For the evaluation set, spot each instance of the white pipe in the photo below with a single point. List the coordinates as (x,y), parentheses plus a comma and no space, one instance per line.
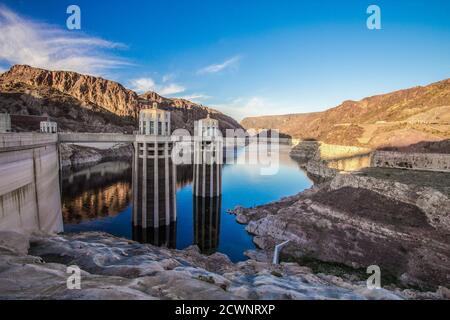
(276,254)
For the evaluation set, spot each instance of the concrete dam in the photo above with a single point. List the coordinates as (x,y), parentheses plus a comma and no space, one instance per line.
(29,184)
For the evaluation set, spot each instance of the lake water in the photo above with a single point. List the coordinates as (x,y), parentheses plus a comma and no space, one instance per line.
(99,198)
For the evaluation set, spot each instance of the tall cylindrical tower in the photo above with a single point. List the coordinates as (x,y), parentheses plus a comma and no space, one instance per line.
(208,158)
(154,173)
(154,122)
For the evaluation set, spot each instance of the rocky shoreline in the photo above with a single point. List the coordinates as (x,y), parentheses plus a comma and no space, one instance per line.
(35,267)
(73,155)
(396,219)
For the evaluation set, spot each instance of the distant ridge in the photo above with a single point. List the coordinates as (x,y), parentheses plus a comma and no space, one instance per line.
(398,118)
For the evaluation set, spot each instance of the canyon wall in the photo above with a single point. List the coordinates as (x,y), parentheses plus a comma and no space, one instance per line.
(395,119)
(324,151)
(83,103)
(416,161)
(326,160)
(431,201)
(335,152)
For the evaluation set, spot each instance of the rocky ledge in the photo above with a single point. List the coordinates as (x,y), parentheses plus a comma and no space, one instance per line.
(73,155)
(374,217)
(35,267)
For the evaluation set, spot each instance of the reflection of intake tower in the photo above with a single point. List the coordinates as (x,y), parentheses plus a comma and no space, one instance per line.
(154,174)
(207,223)
(162,236)
(208,150)
(207,184)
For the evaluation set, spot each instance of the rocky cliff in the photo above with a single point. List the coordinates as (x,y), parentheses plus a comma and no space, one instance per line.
(373,217)
(89,90)
(77,156)
(396,119)
(86,103)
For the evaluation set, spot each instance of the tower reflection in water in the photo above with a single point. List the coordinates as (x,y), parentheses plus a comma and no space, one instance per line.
(154,181)
(207,223)
(207,200)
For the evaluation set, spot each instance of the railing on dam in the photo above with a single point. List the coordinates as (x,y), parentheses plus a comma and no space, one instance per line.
(25,140)
(78,137)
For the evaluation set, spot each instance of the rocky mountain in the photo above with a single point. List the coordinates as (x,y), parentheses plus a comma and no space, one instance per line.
(394,119)
(86,103)
(71,114)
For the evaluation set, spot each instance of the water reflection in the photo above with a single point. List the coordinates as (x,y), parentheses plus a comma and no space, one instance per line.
(352,163)
(163,236)
(154,193)
(207,190)
(100,199)
(103,190)
(154,183)
(184,175)
(207,223)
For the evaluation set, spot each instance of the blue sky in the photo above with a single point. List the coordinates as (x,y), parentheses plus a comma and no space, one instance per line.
(245,58)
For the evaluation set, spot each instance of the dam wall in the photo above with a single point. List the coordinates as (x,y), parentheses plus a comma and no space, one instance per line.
(29,185)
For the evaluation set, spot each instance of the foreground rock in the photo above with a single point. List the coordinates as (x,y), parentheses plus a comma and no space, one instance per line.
(114,268)
(374,217)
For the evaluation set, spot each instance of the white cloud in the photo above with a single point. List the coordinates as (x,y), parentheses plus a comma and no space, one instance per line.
(243,107)
(196,97)
(171,89)
(23,41)
(168,77)
(215,68)
(142,85)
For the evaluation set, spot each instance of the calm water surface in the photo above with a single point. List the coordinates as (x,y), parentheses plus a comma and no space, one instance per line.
(99,198)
